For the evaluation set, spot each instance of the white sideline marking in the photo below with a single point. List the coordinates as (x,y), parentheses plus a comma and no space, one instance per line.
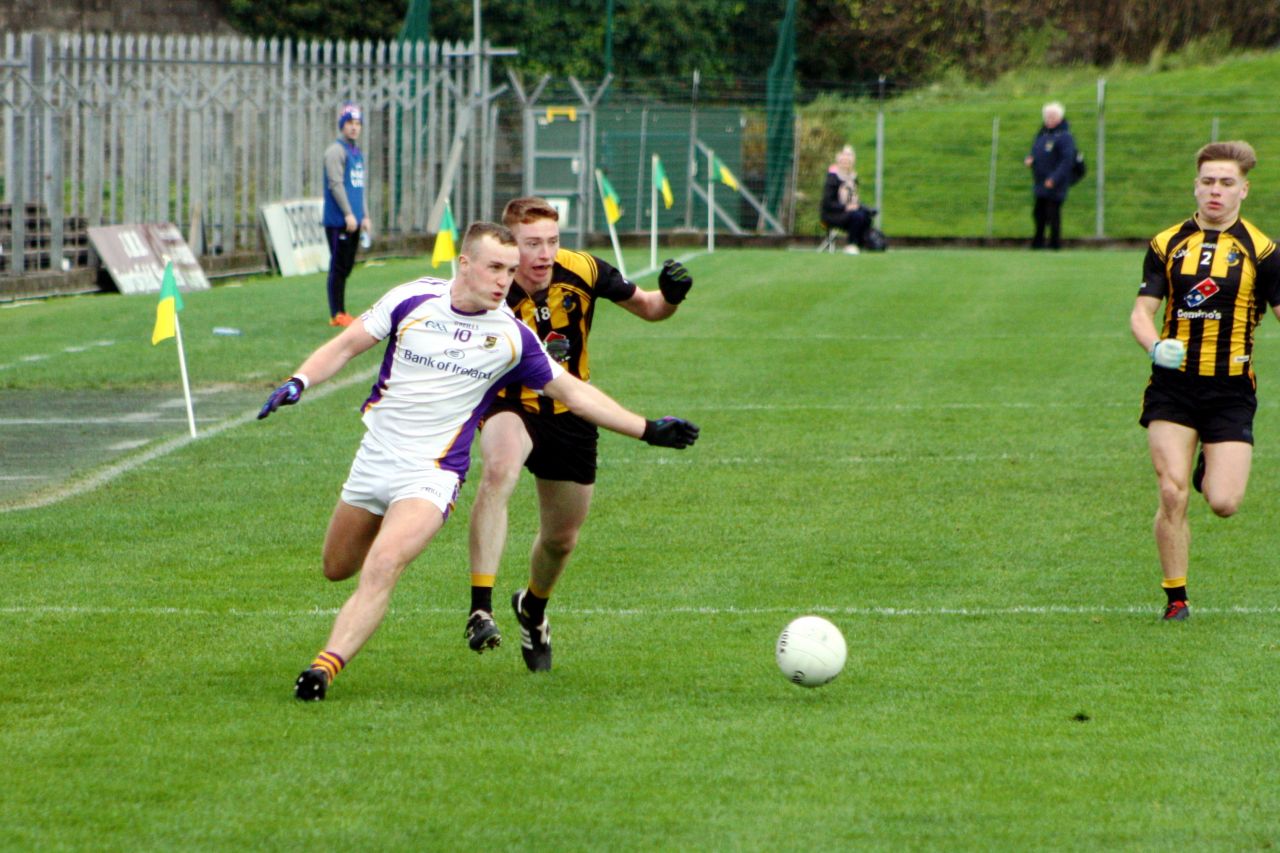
(888,612)
(131,418)
(896,459)
(682,259)
(106,475)
(154,416)
(922,337)
(27,359)
(915,407)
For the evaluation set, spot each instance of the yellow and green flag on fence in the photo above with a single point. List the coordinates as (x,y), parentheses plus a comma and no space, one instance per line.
(662,184)
(446,248)
(612,210)
(167,310)
(726,177)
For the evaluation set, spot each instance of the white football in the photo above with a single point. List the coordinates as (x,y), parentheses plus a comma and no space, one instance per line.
(811,651)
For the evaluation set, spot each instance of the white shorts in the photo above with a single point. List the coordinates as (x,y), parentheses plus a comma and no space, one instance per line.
(378,479)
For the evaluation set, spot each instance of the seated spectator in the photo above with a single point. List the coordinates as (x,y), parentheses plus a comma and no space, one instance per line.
(841,207)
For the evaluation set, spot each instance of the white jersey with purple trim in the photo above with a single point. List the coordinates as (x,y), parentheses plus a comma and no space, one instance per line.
(441,370)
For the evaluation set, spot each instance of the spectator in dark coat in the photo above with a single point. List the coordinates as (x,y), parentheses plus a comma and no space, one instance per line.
(1051,160)
(841,207)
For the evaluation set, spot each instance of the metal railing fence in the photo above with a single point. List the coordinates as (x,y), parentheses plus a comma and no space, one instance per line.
(200,132)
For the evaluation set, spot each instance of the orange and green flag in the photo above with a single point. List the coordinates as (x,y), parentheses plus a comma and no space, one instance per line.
(726,177)
(167,310)
(662,184)
(612,208)
(446,248)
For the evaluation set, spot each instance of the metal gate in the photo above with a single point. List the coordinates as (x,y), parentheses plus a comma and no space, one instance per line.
(560,153)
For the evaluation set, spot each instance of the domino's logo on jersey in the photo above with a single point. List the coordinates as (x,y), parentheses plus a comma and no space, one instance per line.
(1200,293)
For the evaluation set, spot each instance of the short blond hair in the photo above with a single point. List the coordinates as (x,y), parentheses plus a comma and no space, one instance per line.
(477,231)
(1237,150)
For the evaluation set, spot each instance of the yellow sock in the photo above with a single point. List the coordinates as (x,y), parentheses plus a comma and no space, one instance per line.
(1173,583)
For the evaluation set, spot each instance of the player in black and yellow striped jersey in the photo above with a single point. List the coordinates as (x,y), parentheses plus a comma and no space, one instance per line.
(556,293)
(561,314)
(1216,275)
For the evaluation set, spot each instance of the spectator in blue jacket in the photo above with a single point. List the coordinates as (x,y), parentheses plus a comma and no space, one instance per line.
(344,208)
(1052,157)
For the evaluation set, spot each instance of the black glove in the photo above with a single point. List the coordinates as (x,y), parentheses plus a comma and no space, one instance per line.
(670,432)
(286,395)
(674,281)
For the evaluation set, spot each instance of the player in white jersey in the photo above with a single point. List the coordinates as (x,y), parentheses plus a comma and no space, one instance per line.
(450,345)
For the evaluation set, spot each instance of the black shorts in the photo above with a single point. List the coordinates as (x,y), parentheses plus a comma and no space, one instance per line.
(1218,409)
(564,445)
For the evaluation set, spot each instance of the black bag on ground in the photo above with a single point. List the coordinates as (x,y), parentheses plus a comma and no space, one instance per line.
(874,240)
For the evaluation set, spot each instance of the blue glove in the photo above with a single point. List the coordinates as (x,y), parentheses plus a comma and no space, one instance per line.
(1168,353)
(674,281)
(670,432)
(286,395)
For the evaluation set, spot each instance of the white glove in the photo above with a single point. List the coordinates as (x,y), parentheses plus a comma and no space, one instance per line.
(1168,353)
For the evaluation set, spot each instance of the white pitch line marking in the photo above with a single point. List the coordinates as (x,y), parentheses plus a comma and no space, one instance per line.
(129,445)
(31,359)
(886,612)
(915,407)
(135,418)
(87,484)
(682,259)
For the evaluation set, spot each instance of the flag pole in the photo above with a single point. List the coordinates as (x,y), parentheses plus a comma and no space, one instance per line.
(613,230)
(653,219)
(186,383)
(711,201)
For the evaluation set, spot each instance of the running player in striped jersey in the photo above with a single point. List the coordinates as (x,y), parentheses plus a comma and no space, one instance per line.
(450,345)
(1216,274)
(556,293)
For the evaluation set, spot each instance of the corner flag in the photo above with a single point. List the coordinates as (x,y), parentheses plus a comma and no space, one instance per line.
(167,327)
(446,240)
(726,177)
(661,183)
(612,211)
(168,308)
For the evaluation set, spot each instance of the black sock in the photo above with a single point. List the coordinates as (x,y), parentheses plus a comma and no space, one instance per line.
(482,599)
(533,606)
(1176,593)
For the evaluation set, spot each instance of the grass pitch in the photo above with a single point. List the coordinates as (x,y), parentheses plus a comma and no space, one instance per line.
(936,450)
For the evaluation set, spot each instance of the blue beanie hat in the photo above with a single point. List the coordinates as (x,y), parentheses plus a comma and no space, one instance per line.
(349,112)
